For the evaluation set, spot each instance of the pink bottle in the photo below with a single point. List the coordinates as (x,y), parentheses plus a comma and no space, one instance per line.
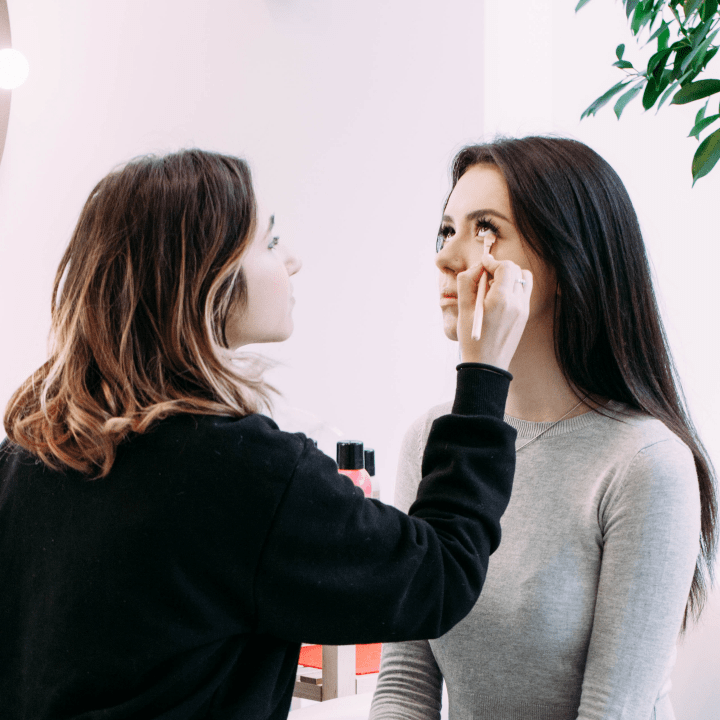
(370,467)
(351,462)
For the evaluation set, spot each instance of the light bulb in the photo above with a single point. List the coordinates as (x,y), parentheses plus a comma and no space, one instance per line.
(14,69)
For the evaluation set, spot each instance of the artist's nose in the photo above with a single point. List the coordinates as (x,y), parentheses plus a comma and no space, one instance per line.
(293,262)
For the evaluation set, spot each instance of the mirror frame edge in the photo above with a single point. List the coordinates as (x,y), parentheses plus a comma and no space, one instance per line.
(5,95)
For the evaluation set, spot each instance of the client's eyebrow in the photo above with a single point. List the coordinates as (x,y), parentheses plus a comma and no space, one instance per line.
(476,214)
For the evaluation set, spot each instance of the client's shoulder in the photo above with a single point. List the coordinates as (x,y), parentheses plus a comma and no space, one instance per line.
(635,429)
(419,429)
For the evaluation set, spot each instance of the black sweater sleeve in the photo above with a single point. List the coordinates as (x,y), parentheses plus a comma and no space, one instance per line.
(338,568)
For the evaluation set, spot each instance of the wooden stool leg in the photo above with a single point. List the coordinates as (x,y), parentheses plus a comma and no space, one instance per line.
(338,673)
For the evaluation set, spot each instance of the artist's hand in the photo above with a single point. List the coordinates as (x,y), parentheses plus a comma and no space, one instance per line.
(507,305)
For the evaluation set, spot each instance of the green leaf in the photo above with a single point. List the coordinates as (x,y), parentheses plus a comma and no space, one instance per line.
(699,32)
(690,6)
(688,77)
(654,16)
(581,4)
(641,17)
(709,55)
(657,62)
(706,156)
(662,34)
(630,6)
(667,94)
(698,52)
(698,36)
(604,99)
(701,112)
(619,50)
(708,9)
(680,55)
(656,33)
(680,44)
(653,90)
(696,91)
(626,98)
(702,124)
(623,64)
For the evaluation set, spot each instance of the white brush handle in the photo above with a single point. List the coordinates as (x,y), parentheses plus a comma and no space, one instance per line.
(479,307)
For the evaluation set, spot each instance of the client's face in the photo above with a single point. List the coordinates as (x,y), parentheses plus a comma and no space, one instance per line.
(268,265)
(480,201)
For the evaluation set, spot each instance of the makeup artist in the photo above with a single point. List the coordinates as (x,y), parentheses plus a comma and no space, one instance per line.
(164,547)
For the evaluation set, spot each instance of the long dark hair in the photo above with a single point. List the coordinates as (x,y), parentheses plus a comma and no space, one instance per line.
(139,308)
(575,213)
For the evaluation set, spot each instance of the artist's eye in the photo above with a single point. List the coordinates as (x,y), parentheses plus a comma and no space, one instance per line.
(445,232)
(485,227)
(273,243)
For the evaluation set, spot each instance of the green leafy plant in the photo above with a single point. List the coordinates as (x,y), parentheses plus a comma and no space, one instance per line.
(684,31)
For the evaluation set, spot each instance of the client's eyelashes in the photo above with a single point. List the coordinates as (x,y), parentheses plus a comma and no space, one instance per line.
(273,242)
(483,226)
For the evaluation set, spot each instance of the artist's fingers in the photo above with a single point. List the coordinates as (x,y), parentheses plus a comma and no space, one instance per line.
(505,273)
(526,286)
(506,310)
(489,263)
(467,286)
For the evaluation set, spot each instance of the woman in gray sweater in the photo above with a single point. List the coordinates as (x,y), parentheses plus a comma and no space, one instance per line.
(611,527)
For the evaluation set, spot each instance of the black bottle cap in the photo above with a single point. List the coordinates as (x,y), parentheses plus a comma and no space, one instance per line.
(350,455)
(370,461)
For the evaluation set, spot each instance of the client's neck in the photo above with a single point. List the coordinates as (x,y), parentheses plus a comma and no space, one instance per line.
(539,392)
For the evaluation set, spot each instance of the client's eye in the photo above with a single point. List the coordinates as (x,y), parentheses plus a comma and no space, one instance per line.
(485,227)
(445,232)
(273,243)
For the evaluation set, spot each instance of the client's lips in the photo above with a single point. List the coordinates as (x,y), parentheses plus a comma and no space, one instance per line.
(448,298)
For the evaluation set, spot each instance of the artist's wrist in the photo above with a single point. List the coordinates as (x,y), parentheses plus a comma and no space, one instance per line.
(481,390)
(484,366)
(468,355)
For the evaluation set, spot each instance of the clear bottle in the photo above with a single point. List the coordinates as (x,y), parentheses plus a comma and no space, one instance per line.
(370,467)
(351,462)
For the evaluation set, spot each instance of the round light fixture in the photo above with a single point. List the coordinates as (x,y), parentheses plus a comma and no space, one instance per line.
(14,69)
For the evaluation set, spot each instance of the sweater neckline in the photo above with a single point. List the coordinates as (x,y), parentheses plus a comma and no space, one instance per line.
(527,429)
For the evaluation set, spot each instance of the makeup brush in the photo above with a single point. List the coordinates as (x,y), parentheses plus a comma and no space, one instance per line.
(482,287)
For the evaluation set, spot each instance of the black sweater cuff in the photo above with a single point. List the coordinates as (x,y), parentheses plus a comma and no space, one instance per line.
(481,390)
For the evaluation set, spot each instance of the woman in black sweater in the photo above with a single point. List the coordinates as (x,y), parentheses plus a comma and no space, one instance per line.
(164,547)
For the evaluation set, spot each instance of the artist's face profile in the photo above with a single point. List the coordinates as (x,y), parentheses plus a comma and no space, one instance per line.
(268,265)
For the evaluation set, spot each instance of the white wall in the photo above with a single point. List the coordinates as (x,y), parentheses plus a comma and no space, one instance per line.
(543,66)
(349,113)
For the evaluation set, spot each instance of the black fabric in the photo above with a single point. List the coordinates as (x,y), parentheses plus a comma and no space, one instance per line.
(492,368)
(181,585)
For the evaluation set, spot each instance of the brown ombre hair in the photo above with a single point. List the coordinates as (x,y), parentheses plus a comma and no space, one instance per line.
(139,308)
(573,210)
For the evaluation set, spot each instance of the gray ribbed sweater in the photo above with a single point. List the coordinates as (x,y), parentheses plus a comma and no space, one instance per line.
(583,601)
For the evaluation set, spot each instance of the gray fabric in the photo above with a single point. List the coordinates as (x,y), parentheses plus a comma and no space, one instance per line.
(583,601)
